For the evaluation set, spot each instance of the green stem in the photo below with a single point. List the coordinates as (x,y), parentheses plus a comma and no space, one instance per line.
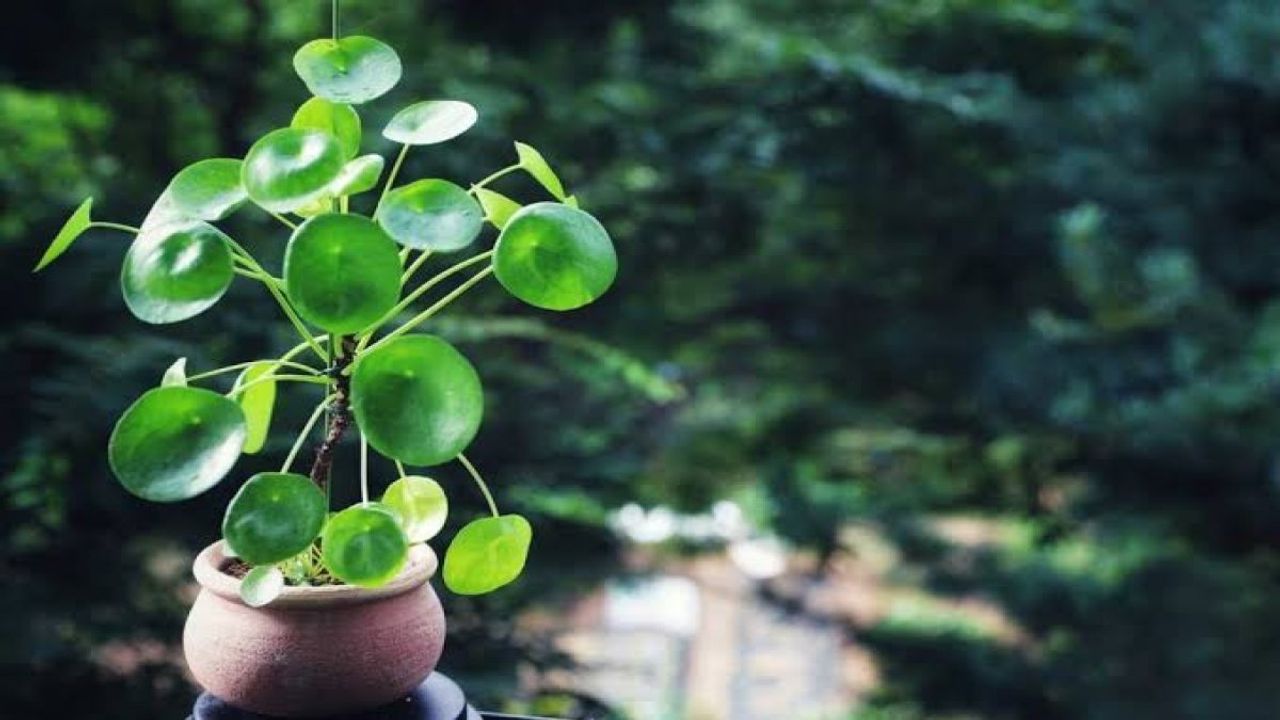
(335,19)
(488,496)
(306,430)
(292,225)
(280,299)
(244,365)
(504,171)
(391,178)
(400,468)
(420,291)
(415,266)
(437,307)
(364,470)
(115,226)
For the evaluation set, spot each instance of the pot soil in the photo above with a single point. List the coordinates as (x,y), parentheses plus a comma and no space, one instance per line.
(314,651)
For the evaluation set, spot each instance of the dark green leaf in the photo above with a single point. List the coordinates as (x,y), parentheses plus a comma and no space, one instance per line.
(209,189)
(431,215)
(291,167)
(273,517)
(342,272)
(176,271)
(364,545)
(353,70)
(555,257)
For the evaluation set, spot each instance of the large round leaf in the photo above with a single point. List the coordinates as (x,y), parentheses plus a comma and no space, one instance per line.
(290,167)
(342,272)
(431,122)
(176,442)
(417,399)
(354,70)
(555,257)
(431,215)
(364,545)
(487,554)
(420,504)
(340,121)
(208,189)
(273,517)
(176,271)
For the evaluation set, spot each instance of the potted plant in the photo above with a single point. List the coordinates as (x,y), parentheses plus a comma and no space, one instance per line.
(307,609)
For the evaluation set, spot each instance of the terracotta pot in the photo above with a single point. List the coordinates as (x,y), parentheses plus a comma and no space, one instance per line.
(314,651)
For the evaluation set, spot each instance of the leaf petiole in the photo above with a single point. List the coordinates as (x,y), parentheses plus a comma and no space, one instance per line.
(484,488)
(437,307)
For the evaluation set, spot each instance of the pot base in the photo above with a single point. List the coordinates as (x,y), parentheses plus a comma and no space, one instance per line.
(438,698)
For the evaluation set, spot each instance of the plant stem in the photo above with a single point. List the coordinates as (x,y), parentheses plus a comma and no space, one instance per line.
(504,171)
(391,178)
(488,496)
(340,413)
(437,307)
(364,470)
(292,225)
(243,365)
(302,436)
(280,299)
(420,291)
(115,226)
(400,468)
(335,19)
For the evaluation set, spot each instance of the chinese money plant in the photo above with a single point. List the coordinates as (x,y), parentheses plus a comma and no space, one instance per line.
(350,286)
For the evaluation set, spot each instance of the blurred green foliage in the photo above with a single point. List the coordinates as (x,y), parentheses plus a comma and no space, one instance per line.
(880,260)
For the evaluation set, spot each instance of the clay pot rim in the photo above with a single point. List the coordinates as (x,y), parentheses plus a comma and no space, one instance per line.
(421,566)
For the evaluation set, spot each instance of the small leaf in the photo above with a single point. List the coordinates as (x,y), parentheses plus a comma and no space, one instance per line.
(355,69)
(291,167)
(72,229)
(572,201)
(487,554)
(209,189)
(431,215)
(359,175)
(498,208)
(273,517)
(176,375)
(420,504)
(261,585)
(431,122)
(417,399)
(342,272)
(554,257)
(176,271)
(340,121)
(258,403)
(319,206)
(174,443)
(364,545)
(534,164)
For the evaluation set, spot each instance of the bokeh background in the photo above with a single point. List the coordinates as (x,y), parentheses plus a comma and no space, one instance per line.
(941,379)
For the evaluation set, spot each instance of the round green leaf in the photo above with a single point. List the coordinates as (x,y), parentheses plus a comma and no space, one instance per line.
(417,399)
(273,517)
(364,545)
(431,122)
(258,403)
(261,585)
(340,121)
(487,554)
(176,271)
(431,215)
(359,175)
(420,504)
(209,189)
(353,70)
(174,443)
(555,257)
(342,272)
(72,229)
(290,167)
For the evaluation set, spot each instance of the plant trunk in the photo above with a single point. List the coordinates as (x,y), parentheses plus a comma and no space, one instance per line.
(339,413)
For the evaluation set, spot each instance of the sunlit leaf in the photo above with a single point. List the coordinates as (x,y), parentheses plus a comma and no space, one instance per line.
(176,375)
(261,585)
(71,230)
(340,121)
(431,215)
(354,69)
(420,504)
(258,402)
(417,399)
(431,122)
(534,164)
(290,167)
(364,545)
(555,257)
(176,271)
(174,443)
(209,189)
(498,208)
(273,517)
(487,554)
(359,175)
(342,272)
